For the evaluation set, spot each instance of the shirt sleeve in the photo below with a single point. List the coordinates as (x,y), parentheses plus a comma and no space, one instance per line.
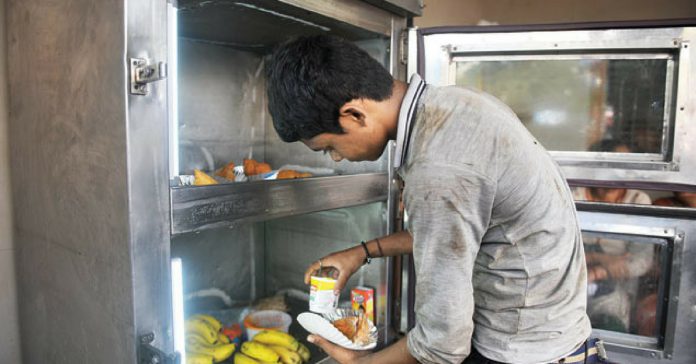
(449,211)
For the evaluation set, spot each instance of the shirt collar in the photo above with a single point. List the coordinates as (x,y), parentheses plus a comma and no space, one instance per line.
(407,113)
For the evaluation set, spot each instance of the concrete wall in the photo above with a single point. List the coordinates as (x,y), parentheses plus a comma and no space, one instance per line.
(9,333)
(470,12)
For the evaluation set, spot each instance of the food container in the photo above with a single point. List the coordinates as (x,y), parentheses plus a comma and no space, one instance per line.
(363,300)
(322,298)
(258,321)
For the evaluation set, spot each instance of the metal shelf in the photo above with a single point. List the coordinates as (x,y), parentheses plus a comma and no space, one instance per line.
(208,207)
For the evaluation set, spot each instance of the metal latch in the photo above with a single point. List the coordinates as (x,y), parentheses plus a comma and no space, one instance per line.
(403,47)
(148,354)
(142,73)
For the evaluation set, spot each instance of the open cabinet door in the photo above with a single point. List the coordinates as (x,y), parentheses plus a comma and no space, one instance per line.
(147,171)
(614,105)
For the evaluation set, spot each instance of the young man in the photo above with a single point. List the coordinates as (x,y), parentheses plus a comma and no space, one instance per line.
(498,253)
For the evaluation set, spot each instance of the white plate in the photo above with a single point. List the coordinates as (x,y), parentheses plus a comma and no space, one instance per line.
(322,327)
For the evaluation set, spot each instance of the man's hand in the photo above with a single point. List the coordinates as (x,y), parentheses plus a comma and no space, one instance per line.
(340,354)
(346,262)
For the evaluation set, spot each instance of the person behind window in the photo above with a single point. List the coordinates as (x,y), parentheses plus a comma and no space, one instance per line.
(680,199)
(613,266)
(609,194)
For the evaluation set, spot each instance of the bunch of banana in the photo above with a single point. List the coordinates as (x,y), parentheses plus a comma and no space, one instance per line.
(204,342)
(272,347)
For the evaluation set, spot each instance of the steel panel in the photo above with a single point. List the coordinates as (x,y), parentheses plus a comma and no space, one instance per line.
(271,21)
(440,45)
(147,136)
(67,133)
(401,7)
(198,208)
(681,316)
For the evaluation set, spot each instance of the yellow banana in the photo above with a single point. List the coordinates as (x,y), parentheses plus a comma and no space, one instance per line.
(259,351)
(193,358)
(240,358)
(203,329)
(217,352)
(304,353)
(286,355)
(212,321)
(194,337)
(271,337)
(222,339)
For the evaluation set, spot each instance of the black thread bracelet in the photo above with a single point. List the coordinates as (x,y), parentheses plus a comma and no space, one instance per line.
(368,258)
(379,247)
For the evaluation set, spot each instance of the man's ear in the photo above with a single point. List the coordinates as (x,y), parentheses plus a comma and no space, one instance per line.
(353,110)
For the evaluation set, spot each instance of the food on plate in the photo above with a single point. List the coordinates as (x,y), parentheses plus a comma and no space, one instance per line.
(252,167)
(355,328)
(292,174)
(226,172)
(202,179)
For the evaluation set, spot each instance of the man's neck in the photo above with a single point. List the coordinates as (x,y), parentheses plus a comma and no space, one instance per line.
(394,106)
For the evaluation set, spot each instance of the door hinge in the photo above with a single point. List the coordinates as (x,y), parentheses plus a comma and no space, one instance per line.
(403,47)
(148,354)
(142,73)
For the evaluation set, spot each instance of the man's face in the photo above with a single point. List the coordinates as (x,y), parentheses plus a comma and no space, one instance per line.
(364,137)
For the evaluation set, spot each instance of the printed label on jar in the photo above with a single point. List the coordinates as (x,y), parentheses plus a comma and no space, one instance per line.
(321,295)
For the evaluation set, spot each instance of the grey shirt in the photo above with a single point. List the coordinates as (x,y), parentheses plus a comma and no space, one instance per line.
(496,244)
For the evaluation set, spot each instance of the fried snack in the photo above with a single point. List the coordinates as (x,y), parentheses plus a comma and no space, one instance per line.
(272,303)
(362,333)
(226,172)
(291,174)
(252,167)
(347,326)
(202,179)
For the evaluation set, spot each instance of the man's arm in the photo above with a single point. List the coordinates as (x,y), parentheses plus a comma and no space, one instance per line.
(392,245)
(350,260)
(395,354)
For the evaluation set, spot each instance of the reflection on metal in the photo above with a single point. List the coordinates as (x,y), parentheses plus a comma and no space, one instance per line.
(142,73)
(555,56)
(674,341)
(148,354)
(401,7)
(258,25)
(198,208)
(675,162)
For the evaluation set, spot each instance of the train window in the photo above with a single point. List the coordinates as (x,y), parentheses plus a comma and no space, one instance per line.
(622,195)
(581,103)
(627,278)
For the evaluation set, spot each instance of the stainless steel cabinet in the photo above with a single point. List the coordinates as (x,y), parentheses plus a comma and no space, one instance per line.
(111,100)
(614,105)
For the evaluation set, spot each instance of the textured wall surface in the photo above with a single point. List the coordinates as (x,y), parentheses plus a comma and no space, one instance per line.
(68,157)
(470,12)
(9,323)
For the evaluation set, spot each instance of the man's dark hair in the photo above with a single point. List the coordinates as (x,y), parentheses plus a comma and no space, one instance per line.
(308,79)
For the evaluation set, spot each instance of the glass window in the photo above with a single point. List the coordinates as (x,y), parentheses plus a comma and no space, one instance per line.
(577,103)
(625,282)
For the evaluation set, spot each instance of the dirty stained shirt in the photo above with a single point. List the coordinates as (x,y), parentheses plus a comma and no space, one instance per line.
(496,244)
